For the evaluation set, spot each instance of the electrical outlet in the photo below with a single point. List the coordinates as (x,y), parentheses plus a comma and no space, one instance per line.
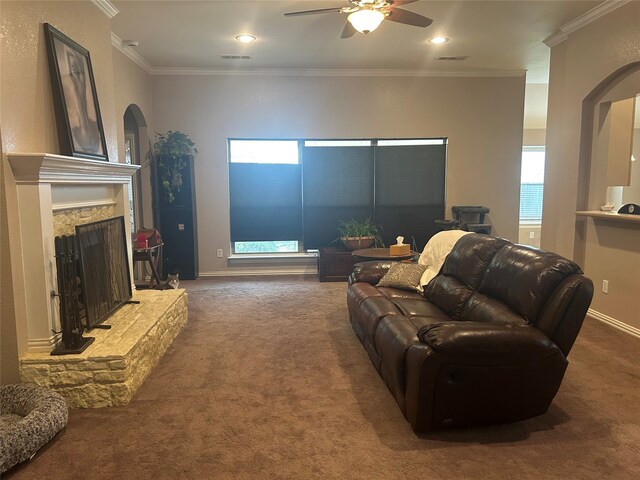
(532,235)
(605,286)
(219,253)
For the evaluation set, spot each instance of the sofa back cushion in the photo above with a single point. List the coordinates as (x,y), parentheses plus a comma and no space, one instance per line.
(462,272)
(523,278)
(487,278)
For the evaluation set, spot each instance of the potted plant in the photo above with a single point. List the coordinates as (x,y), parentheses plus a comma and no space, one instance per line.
(356,234)
(172,151)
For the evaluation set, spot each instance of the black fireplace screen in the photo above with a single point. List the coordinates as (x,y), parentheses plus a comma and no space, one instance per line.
(104,267)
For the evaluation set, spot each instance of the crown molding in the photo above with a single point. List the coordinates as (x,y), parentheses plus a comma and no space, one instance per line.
(139,60)
(108,8)
(586,18)
(129,52)
(282,72)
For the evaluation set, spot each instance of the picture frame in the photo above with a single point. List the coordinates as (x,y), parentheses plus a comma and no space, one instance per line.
(78,119)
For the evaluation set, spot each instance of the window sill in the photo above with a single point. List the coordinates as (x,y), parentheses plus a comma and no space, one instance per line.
(272,258)
(530,222)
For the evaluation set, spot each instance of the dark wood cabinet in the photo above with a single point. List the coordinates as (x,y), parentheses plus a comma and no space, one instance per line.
(335,264)
(176,221)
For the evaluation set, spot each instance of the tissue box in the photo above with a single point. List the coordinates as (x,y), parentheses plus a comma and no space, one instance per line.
(399,249)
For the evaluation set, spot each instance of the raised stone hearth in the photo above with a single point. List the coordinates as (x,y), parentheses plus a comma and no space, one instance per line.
(111,369)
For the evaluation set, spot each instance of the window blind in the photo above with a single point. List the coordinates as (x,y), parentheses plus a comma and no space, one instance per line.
(337,185)
(409,191)
(265,202)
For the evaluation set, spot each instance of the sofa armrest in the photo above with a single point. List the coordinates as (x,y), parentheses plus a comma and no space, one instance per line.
(492,340)
(369,272)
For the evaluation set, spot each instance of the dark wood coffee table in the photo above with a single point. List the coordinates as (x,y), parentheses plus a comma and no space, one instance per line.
(380,254)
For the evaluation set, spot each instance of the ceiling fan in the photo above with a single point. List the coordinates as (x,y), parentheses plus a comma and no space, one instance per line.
(366,15)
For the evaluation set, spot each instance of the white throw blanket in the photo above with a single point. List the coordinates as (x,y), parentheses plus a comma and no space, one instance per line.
(435,252)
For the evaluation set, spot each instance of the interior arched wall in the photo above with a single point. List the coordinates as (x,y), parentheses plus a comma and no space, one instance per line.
(621,84)
(133,90)
(136,124)
(608,250)
(579,65)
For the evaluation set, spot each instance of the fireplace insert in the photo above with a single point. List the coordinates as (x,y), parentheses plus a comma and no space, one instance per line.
(104,268)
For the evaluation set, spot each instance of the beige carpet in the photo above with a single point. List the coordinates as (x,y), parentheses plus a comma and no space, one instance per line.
(268,381)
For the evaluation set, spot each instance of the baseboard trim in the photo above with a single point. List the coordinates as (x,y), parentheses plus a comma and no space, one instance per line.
(43,344)
(230,273)
(614,323)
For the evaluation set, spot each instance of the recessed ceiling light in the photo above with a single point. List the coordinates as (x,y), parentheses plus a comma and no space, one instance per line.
(245,38)
(438,40)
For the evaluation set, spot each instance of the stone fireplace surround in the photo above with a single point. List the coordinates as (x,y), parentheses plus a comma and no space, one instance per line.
(55,193)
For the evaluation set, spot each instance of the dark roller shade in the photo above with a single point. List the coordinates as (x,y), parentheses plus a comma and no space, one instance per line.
(265,202)
(337,185)
(409,191)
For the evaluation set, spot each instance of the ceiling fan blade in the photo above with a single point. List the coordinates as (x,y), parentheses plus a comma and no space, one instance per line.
(409,18)
(313,12)
(348,31)
(401,2)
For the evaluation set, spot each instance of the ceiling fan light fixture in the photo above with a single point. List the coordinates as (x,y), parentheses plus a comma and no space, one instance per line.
(366,20)
(438,40)
(245,38)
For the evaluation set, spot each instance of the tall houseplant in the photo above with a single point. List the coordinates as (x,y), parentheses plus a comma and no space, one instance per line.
(172,151)
(355,234)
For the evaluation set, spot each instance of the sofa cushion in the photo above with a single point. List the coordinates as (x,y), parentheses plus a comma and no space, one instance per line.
(450,294)
(470,257)
(371,311)
(480,308)
(394,337)
(405,276)
(420,321)
(394,293)
(358,293)
(523,278)
(412,307)
(462,272)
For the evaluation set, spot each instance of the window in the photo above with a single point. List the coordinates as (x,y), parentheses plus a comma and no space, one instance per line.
(289,195)
(265,196)
(531,184)
(263,151)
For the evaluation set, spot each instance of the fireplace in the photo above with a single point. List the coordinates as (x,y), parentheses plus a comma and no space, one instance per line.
(104,268)
(93,279)
(55,194)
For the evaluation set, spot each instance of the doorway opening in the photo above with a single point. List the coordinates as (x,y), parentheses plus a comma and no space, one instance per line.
(531,194)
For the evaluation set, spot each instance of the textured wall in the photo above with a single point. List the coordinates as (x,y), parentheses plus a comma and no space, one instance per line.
(482,117)
(8,327)
(608,251)
(27,107)
(28,120)
(578,65)
(133,86)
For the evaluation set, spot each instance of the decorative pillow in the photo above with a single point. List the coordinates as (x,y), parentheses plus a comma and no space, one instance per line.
(405,276)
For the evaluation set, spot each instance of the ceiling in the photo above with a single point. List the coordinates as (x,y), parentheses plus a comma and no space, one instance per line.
(499,37)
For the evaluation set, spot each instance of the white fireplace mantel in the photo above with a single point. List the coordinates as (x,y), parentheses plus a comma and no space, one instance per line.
(44,182)
(50,168)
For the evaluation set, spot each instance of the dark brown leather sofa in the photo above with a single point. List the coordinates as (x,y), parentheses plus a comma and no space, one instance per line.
(488,341)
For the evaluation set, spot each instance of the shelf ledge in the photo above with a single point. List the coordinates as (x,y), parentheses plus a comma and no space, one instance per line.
(610,216)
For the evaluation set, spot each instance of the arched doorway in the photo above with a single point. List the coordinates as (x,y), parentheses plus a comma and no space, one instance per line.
(592,175)
(134,122)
